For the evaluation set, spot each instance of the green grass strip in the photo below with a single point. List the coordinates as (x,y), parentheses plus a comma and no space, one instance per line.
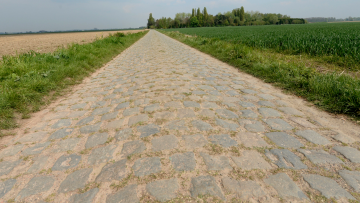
(336,93)
(28,81)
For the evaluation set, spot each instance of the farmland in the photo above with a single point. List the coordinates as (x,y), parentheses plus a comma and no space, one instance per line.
(336,43)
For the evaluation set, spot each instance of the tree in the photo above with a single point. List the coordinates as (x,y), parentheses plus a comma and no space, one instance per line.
(206,17)
(194,22)
(242,14)
(151,21)
(199,17)
(193,13)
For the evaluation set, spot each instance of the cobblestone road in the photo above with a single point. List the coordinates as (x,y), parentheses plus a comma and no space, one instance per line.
(165,122)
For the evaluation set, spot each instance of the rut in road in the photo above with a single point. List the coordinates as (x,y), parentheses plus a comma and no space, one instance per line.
(163,122)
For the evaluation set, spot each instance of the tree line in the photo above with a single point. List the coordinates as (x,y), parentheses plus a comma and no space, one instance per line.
(236,17)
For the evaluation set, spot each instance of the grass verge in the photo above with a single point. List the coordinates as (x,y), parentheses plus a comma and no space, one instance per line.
(336,93)
(28,81)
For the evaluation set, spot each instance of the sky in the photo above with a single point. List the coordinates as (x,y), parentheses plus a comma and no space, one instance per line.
(51,15)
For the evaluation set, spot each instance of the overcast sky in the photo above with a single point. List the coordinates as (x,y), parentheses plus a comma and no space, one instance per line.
(35,15)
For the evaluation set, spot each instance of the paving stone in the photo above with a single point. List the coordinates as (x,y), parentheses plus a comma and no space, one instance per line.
(118,90)
(350,153)
(54,116)
(7,166)
(89,99)
(39,163)
(269,112)
(197,92)
(285,187)
(100,111)
(61,123)
(303,122)
(215,93)
(267,96)
(36,185)
(11,151)
(326,186)
(222,88)
(246,104)
(266,103)
(255,126)
(109,116)
(131,111)
(205,87)
(77,114)
(249,91)
(278,124)
(66,162)
(39,126)
(320,157)
(250,98)
(90,128)
(281,103)
(122,106)
(223,140)
(115,124)
(344,138)
(164,115)
(224,113)
(112,171)
(313,137)
(291,111)
(133,147)
(251,139)
(251,160)
(86,197)
(209,105)
(205,185)
(37,149)
(78,106)
(75,180)
(137,119)
(148,130)
(232,93)
(123,134)
(61,133)
(117,101)
(227,125)
(185,113)
(230,105)
(191,104)
(96,139)
(163,190)
(127,194)
(6,186)
(66,145)
(243,189)
(207,113)
(284,158)
(183,162)
(33,137)
(146,166)
(216,163)
(282,139)
(352,178)
(237,87)
(248,114)
(101,155)
(85,120)
(152,107)
(201,125)
(165,142)
(194,141)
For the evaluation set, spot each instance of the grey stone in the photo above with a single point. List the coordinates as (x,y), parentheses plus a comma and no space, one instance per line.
(133,147)
(197,92)
(90,128)
(115,124)
(191,104)
(164,115)
(207,113)
(251,160)
(137,119)
(215,93)
(209,105)
(100,111)
(61,133)
(110,96)
(147,166)
(232,93)
(98,104)
(303,122)
(352,178)
(88,99)
(285,187)
(205,87)
(185,113)
(118,90)
(251,139)
(163,190)
(117,101)
(127,194)
(201,125)
(66,162)
(37,149)
(109,116)
(320,157)
(350,153)
(222,88)
(122,106)
(77,114)
(326,186)
(344,138)
(174,104)
(251,98)
(61,123)
(36,185)
(269,112)
(33,137)
(78,106)
(7,166)
(11,151)
(249,91)
(66,145)
(96,139)
(246,104)
(113,171)
(243,189)
(223,140)
(85,120)
(123,134)
(75,180)
(86,197)
(255,126)
(176,125)
(165,142)
(216,163)
(291,111)
(284,158)
(148,130)
(152,108)
(266,103)
(39,163)
(278,124)
(101,155)
(224,113)
(248,114)
(281,103)
(230,105)
(210,78)
(6,186)
(39,126)
(267,96)
(282,139)
(205,185)
(183,162)
(194,141)
(227,125)
(313,137)
(131,111)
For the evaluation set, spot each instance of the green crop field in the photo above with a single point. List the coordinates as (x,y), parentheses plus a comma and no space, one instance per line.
(340,41)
